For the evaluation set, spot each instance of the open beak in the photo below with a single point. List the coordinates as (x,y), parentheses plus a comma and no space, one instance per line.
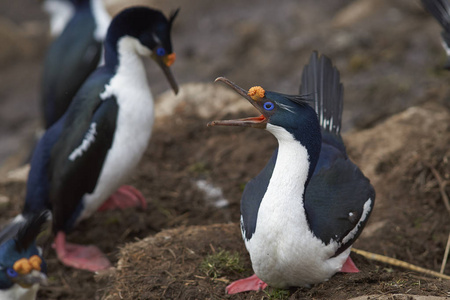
(255,122)
(164,63)
(28,280)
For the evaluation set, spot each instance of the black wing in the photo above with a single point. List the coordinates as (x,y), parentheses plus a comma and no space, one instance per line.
(252,196)
(337,200)
(71,58)
(77,158)
(440,9)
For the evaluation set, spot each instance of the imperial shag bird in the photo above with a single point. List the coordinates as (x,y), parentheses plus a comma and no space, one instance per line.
(440,9)
(22,268)
(73,55)
(60,13)
(82,160)
(302,213)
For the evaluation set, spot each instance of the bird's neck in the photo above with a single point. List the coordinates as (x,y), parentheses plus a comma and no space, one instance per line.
(102,19)
(299,150)
(283,202)
(123,54)
(292,169)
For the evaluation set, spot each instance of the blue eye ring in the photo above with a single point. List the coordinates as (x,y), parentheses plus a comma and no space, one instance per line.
(268,105)
(160,51)
(11,273)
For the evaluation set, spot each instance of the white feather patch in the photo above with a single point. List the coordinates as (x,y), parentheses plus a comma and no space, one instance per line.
(365,214)
(60,13)
(89,138)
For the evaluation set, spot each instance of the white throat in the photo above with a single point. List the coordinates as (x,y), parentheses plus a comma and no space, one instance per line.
(287,184)
(102,19)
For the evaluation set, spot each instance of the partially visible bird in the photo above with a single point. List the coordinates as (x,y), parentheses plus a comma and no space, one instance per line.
(22,268)
(60,12)
(440,9)
(302,213)
(73,55)
(82,160)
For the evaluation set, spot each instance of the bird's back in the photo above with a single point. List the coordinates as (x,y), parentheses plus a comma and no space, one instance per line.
(69,61)
(339,198)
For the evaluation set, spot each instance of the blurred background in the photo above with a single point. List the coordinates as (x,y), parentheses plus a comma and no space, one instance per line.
(388,52)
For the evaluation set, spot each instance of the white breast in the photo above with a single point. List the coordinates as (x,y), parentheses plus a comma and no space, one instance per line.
(16,292)
(283,250)
(133,127)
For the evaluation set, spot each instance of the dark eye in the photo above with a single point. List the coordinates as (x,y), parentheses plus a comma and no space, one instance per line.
(11,273)
(160,51)
(268,106)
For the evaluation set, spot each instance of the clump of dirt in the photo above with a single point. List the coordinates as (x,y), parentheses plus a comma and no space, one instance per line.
(407,159)
(168,266)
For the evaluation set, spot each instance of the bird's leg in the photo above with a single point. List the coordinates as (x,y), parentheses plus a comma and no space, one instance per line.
(88,258)
(349,266)
(126,196)
(252,283)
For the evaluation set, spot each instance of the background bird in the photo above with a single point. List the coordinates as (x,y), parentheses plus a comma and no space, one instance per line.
(81,161)
(301,214)
(440,9)
(22,268)
(60,12)
(73,55)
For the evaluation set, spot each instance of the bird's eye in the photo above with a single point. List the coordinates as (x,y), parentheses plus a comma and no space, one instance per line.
(160,51)
(268,106)
(11,272)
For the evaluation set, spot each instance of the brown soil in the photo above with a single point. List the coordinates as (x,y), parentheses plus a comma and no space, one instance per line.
(409,221)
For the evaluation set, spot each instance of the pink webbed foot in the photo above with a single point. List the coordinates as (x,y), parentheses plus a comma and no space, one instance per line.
(126,196)
(252,283)
(88,258)
(349,266)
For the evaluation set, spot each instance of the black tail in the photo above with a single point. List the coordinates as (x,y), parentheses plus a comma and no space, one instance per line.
(321,81)
(24,229)
(440,9)
(30,230)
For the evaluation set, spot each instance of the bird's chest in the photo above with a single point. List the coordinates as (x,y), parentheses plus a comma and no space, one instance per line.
(19,293)
(283,249)
(133,129)
(134,123)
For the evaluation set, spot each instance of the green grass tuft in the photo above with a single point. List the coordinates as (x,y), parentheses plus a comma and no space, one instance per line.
(274,293)
(219,263)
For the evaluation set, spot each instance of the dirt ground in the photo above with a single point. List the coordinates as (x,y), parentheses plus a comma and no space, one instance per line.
(389,55)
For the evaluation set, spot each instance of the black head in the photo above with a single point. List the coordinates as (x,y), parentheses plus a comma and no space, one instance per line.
(20,259)
(289,112)
(151,29)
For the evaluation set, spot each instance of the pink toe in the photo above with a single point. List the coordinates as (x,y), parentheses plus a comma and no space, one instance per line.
(349,266)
